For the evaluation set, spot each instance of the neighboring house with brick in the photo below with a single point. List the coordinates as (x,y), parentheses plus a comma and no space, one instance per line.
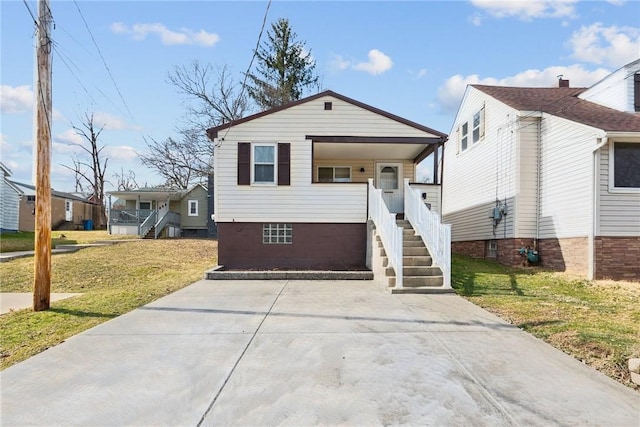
(556,169)
(161,212)
(294,184)
(68,211)
(9,201)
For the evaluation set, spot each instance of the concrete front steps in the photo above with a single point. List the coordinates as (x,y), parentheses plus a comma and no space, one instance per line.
(420,275)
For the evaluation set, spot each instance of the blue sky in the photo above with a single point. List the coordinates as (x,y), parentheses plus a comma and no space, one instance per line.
(413,59)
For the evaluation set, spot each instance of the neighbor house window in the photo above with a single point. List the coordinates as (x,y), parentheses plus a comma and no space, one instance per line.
(626,165)
(193,208)
(31,198)
(264,163)
(478,125)
(334,174)
(277,233)
(464,141)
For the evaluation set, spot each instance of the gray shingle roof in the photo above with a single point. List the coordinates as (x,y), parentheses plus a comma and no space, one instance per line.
(564,102)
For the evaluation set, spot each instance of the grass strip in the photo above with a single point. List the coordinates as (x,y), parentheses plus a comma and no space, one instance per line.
(113,280)
(597,322)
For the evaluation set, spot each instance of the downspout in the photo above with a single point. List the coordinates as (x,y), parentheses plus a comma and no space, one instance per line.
(595,191)
(138,214)
(538,179)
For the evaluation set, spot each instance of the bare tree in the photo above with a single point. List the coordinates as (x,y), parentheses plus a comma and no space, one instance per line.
(212,96)
(179,161)
(126,181)
(93,169)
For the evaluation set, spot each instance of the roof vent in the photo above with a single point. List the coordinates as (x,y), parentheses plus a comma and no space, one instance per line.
(328,106)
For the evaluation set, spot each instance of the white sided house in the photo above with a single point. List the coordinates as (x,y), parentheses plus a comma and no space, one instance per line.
(296,186)
(160,212)
(553,169)
(10,196)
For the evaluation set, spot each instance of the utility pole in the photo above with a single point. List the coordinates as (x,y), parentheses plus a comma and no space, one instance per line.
(42,254)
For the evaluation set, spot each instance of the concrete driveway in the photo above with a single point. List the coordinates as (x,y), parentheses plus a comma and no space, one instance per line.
(309,353)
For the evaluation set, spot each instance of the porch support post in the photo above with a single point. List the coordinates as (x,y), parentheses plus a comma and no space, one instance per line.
(138,213)
(435,163)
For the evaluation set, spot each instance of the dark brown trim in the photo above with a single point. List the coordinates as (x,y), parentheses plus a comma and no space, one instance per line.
(423,154)
(244,163)
(328,139)
(284,163)
(212,133)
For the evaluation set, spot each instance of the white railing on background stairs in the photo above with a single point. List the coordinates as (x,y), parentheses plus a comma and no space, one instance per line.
(148,223)
(387,228)
(436,236)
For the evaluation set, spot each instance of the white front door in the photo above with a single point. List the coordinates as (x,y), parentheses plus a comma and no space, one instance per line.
(389,180)
(68,210)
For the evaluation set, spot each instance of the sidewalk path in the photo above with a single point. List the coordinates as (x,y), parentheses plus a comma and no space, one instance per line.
(309,353)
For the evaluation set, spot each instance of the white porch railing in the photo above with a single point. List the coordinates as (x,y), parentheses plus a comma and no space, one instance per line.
(436,236)
(147,224)
(389,231)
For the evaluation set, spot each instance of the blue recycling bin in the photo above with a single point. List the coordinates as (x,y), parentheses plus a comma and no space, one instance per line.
(88,224)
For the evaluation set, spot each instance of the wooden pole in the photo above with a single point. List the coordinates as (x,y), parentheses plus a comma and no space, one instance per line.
(42,254)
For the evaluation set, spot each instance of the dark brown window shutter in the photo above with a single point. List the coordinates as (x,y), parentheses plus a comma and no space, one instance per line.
(284,164)
(244,163)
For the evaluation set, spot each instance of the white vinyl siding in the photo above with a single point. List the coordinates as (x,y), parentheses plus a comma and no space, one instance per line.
(565,178)
(525,209)
(618,212)
(9,205)
(616,90)
(302,201)
(474,178)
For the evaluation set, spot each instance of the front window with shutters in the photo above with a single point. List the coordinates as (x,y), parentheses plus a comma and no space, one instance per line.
(264,163)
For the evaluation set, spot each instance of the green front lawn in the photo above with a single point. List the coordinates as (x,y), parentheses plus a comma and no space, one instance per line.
(596,322)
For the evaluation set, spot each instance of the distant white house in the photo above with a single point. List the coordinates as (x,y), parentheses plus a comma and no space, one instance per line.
(161,212)
(555,169)
(9,201)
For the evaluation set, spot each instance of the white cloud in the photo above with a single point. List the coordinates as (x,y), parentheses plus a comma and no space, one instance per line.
(67,142)
(450,94)
(378,63)
(167,36)
(613,46)
(18,99)
(121,152)
(111,122)
(525,10)
(338,63)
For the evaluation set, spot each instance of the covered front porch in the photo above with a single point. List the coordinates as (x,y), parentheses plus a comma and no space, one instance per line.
(145,213)
(388,161)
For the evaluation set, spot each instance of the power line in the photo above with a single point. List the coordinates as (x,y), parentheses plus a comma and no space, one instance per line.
(104,62)
(253,57)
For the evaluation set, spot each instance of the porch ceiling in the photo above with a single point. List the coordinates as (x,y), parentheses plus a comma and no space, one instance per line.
(147,195)
(363,150)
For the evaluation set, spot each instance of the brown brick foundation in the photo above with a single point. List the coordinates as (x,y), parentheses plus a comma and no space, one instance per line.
(570,255)
(507,252)
(314,247)
(617,258)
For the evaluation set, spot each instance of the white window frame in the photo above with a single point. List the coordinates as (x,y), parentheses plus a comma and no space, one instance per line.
(333,179)
(189,204)
(275,163)
(277,234)
(464,136)
(612,177)
(480,127)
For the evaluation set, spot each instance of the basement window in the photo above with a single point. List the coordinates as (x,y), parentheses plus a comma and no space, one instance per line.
(492,248)
(277,234)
